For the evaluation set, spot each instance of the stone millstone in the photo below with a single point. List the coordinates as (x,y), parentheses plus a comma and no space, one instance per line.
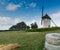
(52,41)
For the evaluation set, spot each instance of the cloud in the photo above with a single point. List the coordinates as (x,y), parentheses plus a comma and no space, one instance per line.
(11,7)
(56,15)
(32,21)
(33,5)
(7,22)
(56,18)
(16,20)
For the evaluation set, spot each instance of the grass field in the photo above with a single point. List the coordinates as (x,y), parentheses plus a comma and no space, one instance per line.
(26,40)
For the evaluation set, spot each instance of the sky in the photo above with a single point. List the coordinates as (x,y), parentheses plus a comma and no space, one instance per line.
(29,11)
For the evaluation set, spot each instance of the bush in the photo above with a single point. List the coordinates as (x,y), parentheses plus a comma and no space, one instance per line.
(43,29)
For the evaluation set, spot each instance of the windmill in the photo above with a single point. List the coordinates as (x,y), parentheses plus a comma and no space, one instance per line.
(46,19)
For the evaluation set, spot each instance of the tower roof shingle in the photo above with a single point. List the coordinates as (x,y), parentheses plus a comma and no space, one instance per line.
(46,16)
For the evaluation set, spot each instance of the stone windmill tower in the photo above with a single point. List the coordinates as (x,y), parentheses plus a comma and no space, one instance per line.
(46,21)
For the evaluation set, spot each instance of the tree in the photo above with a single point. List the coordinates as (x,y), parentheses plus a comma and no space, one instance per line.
(13,27)
(34,25)
(19,26)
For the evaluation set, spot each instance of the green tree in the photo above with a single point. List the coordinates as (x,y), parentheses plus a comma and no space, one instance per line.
(19,26)
(34,25)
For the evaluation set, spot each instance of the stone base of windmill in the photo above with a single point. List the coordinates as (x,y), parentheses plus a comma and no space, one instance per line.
(52,41)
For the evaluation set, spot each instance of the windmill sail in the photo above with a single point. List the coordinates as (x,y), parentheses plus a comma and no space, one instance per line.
(54,23)
(42,13)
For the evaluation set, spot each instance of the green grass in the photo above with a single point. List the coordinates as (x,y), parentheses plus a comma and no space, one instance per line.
(26,40)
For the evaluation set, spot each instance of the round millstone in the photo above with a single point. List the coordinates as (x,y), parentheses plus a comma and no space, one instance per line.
(52,41)
(53,38)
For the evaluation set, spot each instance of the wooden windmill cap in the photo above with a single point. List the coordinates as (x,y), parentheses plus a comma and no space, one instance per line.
(46,16)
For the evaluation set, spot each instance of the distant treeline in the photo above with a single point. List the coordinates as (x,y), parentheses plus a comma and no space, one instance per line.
(23,26)
(44,29)
(36,30)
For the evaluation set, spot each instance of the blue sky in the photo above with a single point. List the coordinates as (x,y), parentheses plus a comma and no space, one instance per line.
(14,11)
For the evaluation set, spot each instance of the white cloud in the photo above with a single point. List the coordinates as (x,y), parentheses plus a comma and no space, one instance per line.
(33,5)
(56,15)
(12,6)
(56,18)
(7,22)
(32,21)
(16,20)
